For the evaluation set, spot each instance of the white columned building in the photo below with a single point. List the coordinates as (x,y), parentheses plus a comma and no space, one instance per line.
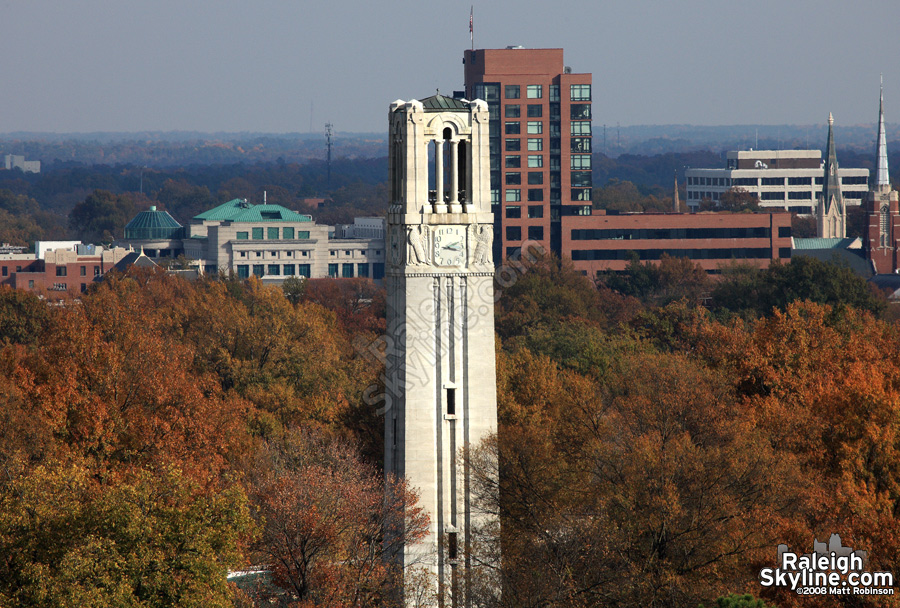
(441,377)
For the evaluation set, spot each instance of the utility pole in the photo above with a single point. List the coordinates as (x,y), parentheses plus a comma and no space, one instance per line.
(329,131)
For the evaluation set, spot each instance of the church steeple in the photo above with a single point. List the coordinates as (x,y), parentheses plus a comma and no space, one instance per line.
(882,176)
(831,184)
(830,215)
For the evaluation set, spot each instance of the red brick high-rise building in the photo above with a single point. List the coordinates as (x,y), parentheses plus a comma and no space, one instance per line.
(540,142)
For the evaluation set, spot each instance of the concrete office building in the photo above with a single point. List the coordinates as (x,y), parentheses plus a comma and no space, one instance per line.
(268,241)
(784,179)
(14,161)
(540,142)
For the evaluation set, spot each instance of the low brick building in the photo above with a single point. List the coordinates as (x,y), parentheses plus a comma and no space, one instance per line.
(59,271)
(603,242)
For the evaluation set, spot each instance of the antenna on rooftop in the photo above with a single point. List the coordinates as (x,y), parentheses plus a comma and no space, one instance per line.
(329,131)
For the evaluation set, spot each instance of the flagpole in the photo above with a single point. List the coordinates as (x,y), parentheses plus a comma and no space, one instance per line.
(472,25)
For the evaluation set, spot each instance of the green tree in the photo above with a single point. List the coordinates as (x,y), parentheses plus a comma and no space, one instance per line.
(147,539)
(754,292)
(740,601)
(102,216)
(738,199)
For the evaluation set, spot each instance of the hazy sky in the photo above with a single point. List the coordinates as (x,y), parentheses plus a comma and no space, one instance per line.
(278,65)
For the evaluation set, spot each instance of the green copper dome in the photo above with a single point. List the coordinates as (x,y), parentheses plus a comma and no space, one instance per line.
(153,225)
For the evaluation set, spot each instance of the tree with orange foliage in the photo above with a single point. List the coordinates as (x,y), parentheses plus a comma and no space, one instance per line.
(329,522)
(646,485)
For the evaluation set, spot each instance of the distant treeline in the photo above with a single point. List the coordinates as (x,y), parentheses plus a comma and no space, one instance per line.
(40,206)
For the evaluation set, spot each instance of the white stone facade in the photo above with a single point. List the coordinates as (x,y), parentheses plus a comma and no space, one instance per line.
(441,376)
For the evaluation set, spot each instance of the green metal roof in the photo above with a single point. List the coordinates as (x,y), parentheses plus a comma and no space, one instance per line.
(225,211)
(153,225)
(239,210)
(821,243)
(269,213)
(441,103)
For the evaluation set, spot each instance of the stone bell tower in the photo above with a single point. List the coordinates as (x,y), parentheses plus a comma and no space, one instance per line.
(441,377)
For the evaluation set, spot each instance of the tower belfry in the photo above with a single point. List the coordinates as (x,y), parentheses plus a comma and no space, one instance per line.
(441,377)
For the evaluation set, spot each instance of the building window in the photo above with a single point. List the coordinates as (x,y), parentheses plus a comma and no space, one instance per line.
(535,144)
(495,196)
(512,110)
(5,271)
(580,92)
(362,270)
(535,233)
(259,270)
(83,271)
(347,271)
(534,91)
(30,284)
(581,161)
(580,111)
(272,234)
(512,91)
(535,110)
(773,181)
(581,144)
(96,271)
(772,196)
(243,236)
(303,270)
(288,270)
(513,195)
(535,178)
(333,270)
(535,161)
(513,211)
(512,128)
(535,194)
(554,92)
(581,194)
(513,161)
(274,270)
(803,196)
(513,178)
(513,233)
(580,127)
(513,145)
(535,211)
(799,181)
(535,127)
(243,271)
(487,92)
(288,233)
(257,234)
(581,179)
(60,271)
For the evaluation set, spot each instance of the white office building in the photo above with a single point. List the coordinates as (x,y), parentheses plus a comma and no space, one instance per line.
(783,179)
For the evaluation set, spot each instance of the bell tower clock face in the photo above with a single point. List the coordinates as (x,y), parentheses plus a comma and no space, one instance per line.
(449,246)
